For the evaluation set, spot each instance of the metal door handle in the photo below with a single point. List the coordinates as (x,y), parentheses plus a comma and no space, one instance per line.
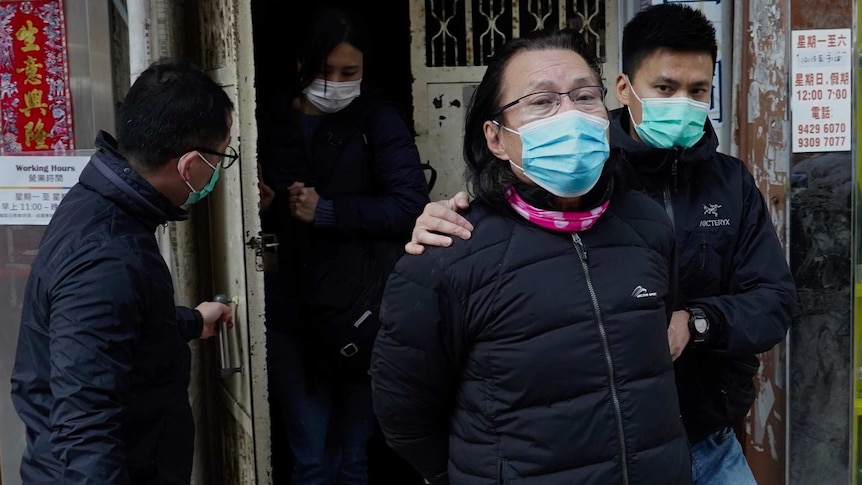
(225,348)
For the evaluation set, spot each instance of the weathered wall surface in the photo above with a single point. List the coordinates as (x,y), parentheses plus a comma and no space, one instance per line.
(763,138)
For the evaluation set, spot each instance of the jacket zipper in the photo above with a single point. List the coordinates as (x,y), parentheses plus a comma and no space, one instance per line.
(668,198)
(582,254)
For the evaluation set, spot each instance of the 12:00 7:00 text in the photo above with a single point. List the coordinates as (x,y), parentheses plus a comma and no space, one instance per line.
(821,93)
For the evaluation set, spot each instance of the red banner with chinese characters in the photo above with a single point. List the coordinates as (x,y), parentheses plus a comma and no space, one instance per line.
(35,100)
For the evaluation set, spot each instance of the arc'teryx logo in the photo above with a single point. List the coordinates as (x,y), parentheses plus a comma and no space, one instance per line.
(712,210)
(641,292)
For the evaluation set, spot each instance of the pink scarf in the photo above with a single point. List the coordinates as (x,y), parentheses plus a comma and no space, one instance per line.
(555,220)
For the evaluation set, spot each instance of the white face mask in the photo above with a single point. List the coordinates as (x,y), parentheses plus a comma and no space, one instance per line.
(329,97)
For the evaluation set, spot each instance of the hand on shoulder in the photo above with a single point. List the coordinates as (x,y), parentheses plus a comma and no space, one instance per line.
(438,221)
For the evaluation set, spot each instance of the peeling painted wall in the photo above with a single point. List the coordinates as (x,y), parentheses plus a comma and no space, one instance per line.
(762,135)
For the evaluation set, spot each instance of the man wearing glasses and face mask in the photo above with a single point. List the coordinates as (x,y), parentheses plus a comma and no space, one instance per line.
(737,293)
(103,365)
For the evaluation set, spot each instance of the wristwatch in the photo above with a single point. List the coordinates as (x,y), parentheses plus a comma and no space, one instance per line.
(698,325)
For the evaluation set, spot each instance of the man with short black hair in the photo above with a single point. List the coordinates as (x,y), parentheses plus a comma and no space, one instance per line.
(737,290)
(103,364)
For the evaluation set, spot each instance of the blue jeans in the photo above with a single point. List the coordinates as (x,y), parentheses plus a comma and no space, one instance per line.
(718,460)
(328,424)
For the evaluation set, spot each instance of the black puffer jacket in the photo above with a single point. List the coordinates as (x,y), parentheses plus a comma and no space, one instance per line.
(102,368)
(517,357)
(731,264)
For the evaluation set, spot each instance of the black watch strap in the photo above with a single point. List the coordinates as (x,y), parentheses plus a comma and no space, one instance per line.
(698,325)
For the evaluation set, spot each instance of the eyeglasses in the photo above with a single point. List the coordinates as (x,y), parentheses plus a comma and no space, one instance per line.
(546,103)
(227,159)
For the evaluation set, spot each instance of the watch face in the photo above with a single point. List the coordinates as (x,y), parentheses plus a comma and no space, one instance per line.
(700,325)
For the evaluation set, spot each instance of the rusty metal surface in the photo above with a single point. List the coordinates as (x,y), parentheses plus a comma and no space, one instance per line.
(237,454)
(830,15)
(217,37)
(763,139)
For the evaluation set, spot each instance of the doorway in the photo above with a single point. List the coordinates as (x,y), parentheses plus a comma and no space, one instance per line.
(278,25)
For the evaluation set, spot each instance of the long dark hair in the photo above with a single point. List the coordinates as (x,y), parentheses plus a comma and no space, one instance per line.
(489,177)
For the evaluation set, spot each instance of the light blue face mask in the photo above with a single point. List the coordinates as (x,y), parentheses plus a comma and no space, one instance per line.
(196,195)
(670,122)
(565,153)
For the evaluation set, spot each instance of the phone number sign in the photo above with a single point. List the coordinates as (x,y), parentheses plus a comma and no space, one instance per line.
(821,90)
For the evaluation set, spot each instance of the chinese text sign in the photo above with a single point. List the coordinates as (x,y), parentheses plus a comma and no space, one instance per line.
(821,91)
(35,100)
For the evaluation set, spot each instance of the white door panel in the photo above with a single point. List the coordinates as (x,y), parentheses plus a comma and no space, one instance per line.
(241,420)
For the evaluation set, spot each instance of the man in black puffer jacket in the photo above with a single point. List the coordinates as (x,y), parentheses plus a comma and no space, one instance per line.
(103,364)
(737,292)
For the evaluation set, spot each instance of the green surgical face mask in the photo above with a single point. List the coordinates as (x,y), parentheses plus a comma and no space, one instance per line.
(196,195)
(670,122)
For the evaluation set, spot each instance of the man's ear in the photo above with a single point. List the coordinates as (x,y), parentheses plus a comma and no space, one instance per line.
(494,140)
(184,164)
(623,89)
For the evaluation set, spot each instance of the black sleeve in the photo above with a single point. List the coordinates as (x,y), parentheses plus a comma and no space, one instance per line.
(415,364)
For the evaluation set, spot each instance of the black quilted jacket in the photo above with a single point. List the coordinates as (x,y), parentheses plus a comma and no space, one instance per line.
(525,356)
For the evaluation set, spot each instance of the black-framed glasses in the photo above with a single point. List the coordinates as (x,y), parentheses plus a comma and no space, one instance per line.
(545,103)
(227,159)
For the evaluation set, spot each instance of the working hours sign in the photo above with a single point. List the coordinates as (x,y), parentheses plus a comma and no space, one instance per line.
(821,91)
(31,187)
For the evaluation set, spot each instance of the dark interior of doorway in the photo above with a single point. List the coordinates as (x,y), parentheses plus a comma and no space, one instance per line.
(277,25)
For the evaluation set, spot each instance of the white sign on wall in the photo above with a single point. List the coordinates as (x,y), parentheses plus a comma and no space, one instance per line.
(821,91)
(31,187)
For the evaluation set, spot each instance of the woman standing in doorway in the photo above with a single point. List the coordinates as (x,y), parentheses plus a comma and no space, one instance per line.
(348,185)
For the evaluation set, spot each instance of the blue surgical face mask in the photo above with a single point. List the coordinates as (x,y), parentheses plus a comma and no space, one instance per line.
(565,153)
(196,195)
(670,122)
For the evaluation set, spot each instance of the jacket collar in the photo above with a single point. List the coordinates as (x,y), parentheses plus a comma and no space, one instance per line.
(656,166)
(110,175)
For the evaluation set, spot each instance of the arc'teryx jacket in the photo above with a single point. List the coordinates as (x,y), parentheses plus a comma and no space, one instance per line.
(731,264)
(515,357)
(102,367)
